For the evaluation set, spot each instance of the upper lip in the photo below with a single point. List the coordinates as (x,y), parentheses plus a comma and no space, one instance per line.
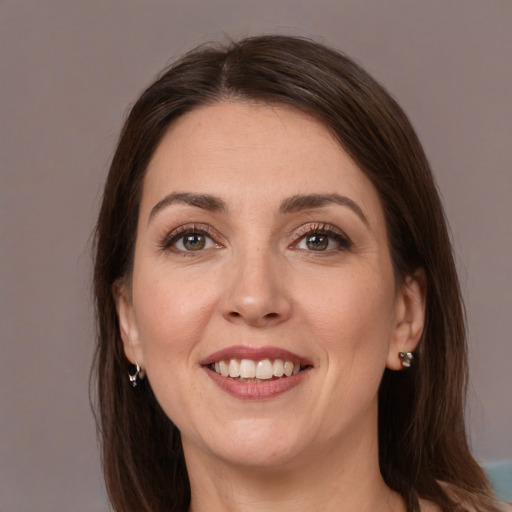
(255,354)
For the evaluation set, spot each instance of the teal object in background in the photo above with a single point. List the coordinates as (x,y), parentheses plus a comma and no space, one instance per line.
(500,477)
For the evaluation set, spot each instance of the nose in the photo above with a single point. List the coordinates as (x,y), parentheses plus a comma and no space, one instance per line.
(257,291)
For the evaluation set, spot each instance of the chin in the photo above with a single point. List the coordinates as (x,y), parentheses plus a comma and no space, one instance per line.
(255,444)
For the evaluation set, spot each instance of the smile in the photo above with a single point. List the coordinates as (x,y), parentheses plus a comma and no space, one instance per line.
(247,370)
(256,373)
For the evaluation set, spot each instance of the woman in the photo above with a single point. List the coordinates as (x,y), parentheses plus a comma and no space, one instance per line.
(280,321)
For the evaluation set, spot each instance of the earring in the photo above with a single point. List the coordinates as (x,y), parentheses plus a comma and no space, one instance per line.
(406,358)
(135,374)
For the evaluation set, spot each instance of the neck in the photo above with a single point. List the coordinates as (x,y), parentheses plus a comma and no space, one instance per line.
(345,479)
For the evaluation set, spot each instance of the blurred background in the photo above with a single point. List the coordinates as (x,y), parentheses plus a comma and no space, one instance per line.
(68,72)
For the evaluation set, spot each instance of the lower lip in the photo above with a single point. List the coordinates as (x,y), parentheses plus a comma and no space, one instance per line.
(256,390)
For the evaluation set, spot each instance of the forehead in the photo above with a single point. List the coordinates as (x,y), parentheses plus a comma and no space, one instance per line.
(244,151)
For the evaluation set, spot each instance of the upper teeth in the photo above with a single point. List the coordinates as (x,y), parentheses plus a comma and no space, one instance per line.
(249,369)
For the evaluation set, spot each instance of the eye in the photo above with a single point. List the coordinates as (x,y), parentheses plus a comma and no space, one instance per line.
(316,242)
(189,239)
(193,242)
(322,238)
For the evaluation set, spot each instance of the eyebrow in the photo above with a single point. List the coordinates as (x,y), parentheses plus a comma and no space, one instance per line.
(310,201)
(292,204)
(203,201)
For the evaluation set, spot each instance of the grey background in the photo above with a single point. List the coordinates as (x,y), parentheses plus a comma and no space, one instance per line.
(68,71)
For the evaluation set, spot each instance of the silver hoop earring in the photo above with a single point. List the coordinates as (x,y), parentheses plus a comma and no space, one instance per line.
(406,358)
(135,374)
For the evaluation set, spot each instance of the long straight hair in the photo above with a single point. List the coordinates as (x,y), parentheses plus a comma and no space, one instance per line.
(423,449)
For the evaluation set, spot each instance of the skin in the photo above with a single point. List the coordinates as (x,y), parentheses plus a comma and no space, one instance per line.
(257,282)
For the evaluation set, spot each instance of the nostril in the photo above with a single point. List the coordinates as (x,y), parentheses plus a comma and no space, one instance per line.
(236,315)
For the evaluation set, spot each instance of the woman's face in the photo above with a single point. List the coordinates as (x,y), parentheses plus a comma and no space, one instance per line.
(262,250)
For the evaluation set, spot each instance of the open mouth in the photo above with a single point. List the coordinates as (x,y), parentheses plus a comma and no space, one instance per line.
(248,370)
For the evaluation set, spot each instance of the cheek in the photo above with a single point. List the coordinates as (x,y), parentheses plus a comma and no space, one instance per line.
(351,304)
(171,314)
(352,325)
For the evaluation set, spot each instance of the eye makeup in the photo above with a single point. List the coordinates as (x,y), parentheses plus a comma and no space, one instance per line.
(190,238)
(321,237)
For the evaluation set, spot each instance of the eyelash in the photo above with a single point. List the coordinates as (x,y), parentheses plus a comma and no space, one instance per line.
(179,233)
(328,230)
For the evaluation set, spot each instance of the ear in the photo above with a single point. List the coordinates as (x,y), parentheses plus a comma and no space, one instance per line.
(127,322)
(409,318)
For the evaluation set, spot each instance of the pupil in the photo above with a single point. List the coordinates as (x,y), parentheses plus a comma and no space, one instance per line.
(194,242)
(317,242)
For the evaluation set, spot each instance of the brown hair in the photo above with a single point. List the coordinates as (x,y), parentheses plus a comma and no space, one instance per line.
(422,438)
